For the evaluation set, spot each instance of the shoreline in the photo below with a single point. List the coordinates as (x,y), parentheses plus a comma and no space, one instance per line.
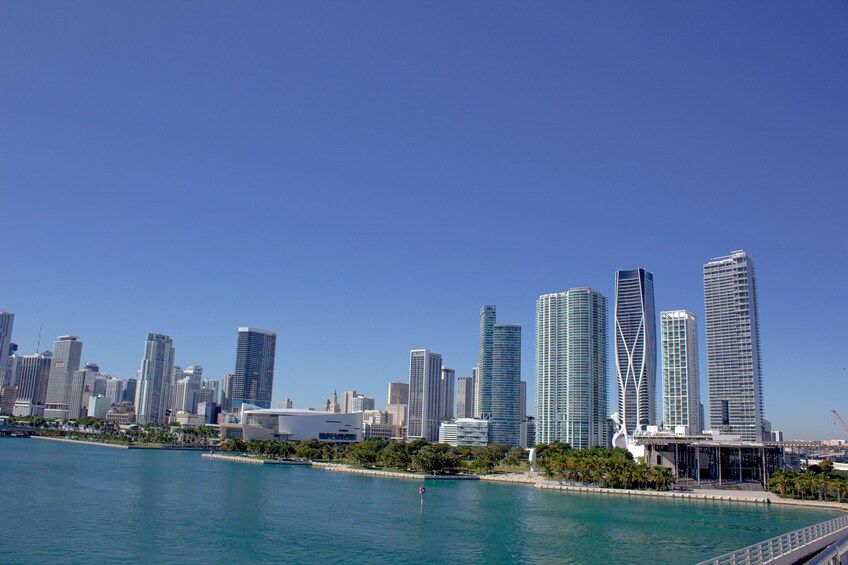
(252,460)
(537,481)
(82,441)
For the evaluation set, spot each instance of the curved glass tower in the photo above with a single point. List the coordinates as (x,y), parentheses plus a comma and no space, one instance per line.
(635,348)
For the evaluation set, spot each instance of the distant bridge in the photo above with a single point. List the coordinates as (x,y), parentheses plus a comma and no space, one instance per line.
(24,431)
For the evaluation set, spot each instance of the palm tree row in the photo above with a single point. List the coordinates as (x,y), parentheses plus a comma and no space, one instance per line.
(816,483)
(608,468)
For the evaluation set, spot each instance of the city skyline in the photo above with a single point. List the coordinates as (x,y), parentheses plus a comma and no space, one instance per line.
(276,187)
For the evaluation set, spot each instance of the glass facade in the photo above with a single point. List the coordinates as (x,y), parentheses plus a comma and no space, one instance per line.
(253,380)
(681,389)
(635,348)
(571,368)
(733,347)
(506,384)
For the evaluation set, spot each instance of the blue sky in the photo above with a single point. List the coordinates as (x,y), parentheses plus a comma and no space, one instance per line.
(362,177)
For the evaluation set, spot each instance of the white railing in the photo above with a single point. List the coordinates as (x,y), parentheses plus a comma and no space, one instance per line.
(774,548)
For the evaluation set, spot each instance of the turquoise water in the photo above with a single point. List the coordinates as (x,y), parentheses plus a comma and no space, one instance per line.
(75,503)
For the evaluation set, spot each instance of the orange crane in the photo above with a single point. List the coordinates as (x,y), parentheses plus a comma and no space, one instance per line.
(841,422)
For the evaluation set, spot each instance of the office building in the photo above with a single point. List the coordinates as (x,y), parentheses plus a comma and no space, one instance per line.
(475,386)
(464,397)
(286,403)
(98,406)
(227,392)
(398,393)
(505,386)
(7,323)
(152,399)
(681,390)
(347,399)
(733,347)
(33,373)
(425,370)
(447,386)
(360,403)
(67,353)
(398,415)
(254,376)
(635,349)
(75,394)
(571,368)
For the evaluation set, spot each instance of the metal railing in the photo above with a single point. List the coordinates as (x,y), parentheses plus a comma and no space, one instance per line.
(835,554)
(779,546)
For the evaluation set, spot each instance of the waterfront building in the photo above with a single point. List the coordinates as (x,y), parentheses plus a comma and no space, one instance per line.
(151,399)
(571,368)
(425,369)
(398,393)
(254,375)
(75,394)
(32,376)
(484,371)
(447,386)
(7,323)
(635,349)
(277,423)
(681,389)
(506,384)
(473,432)
(733,347)
(8,396)
(464,397)
(67,353)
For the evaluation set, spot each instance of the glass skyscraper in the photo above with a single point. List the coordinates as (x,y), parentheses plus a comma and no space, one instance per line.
(253,381)
(681,389)
(571,368)
(635,348)
(733,347)
(506,384)
(484,368)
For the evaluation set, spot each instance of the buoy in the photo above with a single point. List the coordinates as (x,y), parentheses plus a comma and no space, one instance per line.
(422,490)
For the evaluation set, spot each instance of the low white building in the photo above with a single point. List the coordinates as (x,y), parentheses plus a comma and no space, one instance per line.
(293,424)
(465,432)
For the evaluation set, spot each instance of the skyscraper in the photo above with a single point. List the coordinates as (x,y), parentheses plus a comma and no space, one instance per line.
(681,390)
(464,397)
(571,368)
(733,347)
(425,370)
(398,393)
(506,384)
(484,368)
(67,353)
(347,401)
(227,392)
(152,390)
(254,376)
(33,374)
(447,386)
(635,348)
(7,322)
(475,391)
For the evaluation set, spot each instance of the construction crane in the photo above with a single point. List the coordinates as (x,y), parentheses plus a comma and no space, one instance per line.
(841,422)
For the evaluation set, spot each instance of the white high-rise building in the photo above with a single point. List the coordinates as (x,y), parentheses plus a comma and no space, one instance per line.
(733,347)
(425,368)
(635,349)
(571,368)
(360,403)
(680,386)
(152,398)
(67,353)
(32,376)
(447,387)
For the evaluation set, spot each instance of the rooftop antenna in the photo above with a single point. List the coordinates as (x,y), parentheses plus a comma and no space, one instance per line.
(38,344)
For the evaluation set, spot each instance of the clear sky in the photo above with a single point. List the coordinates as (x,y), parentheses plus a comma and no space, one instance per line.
(362,177)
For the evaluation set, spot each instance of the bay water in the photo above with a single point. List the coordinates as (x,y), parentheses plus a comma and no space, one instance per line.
(66,503)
